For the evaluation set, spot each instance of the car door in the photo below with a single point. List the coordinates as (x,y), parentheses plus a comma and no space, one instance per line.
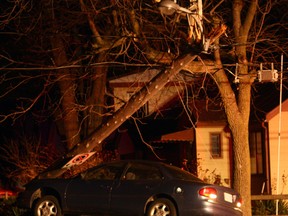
(91,193)
(129,195)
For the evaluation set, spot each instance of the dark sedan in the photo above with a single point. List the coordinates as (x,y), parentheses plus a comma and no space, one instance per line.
(130,188)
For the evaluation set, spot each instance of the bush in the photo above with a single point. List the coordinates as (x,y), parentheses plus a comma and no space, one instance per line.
(268,207)
(8,207)
(24,158)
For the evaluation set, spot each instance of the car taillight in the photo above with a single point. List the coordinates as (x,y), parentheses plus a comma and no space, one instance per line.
(208,192)
(239,202)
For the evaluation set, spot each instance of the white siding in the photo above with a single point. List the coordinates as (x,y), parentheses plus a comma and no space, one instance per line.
(274,144)
(209,167)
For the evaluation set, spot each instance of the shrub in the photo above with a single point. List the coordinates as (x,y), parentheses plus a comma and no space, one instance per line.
(268,207)
(8,207)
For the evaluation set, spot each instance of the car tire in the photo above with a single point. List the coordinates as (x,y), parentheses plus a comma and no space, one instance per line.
(47,205)
(162,206)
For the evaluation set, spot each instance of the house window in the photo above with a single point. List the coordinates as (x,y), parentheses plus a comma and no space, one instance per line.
(215,140)
(143,111)
(256,153)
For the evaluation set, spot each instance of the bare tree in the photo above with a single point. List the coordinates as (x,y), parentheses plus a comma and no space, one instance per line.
(71,47)
(238,109)
(23,157)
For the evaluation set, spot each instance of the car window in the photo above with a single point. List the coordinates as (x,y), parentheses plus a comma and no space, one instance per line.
(142,172)
(108,172)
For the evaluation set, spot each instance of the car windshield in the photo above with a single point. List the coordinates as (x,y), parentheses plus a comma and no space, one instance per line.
(181,174)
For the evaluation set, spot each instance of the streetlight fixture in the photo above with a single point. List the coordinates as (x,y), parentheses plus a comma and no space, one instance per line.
(169,7)
(194,16)
(195,20)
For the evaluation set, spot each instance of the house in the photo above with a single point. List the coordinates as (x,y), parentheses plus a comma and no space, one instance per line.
(203,137)
(277,135)
(213,144)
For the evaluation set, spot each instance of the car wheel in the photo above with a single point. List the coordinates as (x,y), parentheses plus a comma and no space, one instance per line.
(47,206)
(162,207)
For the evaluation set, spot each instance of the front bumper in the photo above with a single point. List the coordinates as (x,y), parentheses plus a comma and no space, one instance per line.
(24,200)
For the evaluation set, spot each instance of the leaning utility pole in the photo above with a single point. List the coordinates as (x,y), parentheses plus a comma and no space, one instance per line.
(94,142)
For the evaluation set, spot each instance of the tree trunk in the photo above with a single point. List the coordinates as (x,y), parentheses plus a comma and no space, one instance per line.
(242,170)
(238,119)
(97,98)
(238,110)
(67,88)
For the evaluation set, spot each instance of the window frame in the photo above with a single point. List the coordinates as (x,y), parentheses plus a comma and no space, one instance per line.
(257,152)
(219,153)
